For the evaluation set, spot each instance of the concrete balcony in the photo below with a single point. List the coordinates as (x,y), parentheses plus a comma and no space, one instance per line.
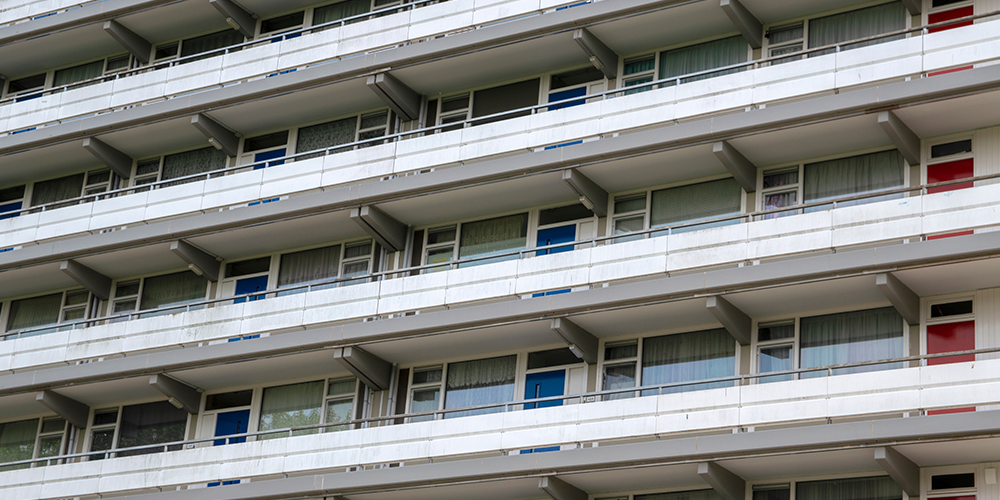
(842,228)
(571,426)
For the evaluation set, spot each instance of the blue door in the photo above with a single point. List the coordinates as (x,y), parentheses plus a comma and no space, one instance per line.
(227,424)
(566,95)
(554,236)
(250,285)
(543,385)
(277,153)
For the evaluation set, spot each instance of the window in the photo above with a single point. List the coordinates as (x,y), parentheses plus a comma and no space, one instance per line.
(703,57)
(308,266)
(51,438)
(440,247)
(639,70)
(26,85)
(781,189)
(677,205)
(47,310)
(630,216)
(453,109)
(620,359)
(340,402)
(179,165)
(54,190)
(953,481)
(682,495)
(247,276)
(373,125)
(425,394)
(357,261)
(783,40)
(78,73)
(856,24)
(326,135)
(166,51)
(772,492)
(118,63)
(11,200)
(150,423)
(504,98)
(685,357)
(493,236)
(296,405)
(776,350)
(17,442)
(205,43)
(563,87)
(479,382)
(865,488)
(167,293)
(340,10)
(102,431)
(287,22)
(265,147)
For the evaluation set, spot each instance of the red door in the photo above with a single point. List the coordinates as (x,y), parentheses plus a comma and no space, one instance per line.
(951,337)
(961,169)
(948,15)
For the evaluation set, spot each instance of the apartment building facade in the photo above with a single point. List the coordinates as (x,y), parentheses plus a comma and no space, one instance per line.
(506,249)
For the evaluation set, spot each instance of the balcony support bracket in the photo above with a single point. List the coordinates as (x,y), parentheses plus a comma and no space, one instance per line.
(736,322)
(744,21)
(237,17)
(401,99)
(743,170)
(558,489)
(900,469)
(95,282)
(139,47)
(581,342)
(388,232)
(601,56)
(72,410)
(591,195)
(905,140)
(218,135)
(198,260)
(373,371)
(179,394)
(119,162)
(906,302)
(725,483)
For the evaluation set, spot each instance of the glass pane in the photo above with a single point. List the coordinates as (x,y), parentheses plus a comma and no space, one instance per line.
(339,410)
(630,225)
(777,179)
(49,447)
(424,400)
(866,488)
(553,357)
(852,176)
(694,202)
(563,214)
(53,425)
(166,50)
(101,441)
(775,359)
(426,375)
(228,400)
(55,190)
(12,193)
(493,236)
(326,135)
(309,265)
(173,290)
(78,73)
(619,377)
(340,386)
(784,34)
(856,24)
(951,148)
(374,120)
(267,141)
(704,56)
(358,250)
(682,495)
(686,357)
(26,83)
(36,311)
(357,268)
(150,423)
(625,204)
(621,351)
(851,337)
(776,492)
(213,41)
(952,481)
(74,314)
(780,200)
(105,417)
(439,256)
(340,10)
(291,406)
(127,288)
(951,309)
(576,77)
(441,235)
(193,162)
(124,306)
(775,332)
(77,298)
(479,382)
(17,441)
(454,103)
(118,63)
(252,266)
(640,64)
(283,22)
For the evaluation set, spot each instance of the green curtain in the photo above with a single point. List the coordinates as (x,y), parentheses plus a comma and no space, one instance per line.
(192,162)
(682,495)
(864,488)
(150,423)
(857,24)
(17,441)
(171,290)
(212,41)
(59,189)
(36,311)
(325,135)
(851,337)
(685,357)
(493,236)
(291,406)
(696,201)
(702,57)
(340,10)
(309,265)
(78,73)
(855,175)
(479,382)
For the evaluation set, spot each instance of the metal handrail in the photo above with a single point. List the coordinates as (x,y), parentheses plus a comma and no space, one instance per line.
(398,136)
(454,264)
(594,396)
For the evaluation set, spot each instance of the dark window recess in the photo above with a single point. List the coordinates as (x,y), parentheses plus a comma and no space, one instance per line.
(166,50)
(952,481)
(55,190)
(266,141)
(228,400)
(505,98)
(283,22)
(576,77)
(942,3)
(432,108)
(102,417)
(951,309)
(553,357)
(252,266)
(563,214)
(952,148)
(775,332)
(772,492)
(621,351)
(26,83)
(13,193)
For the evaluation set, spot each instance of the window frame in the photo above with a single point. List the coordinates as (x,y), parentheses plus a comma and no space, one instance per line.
(92,428)
(135,177)
(114,298)
(657,55)
(928,145)
(87,307)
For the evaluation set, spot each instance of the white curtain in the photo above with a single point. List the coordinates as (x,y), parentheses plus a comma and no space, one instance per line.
(864,488)
(619,377)
(702,57)
(857,24)
(325,135)
(291,406)
(150,423)
(696,201)
(171,290)
(479,382)
(36,311)
(493,236)
(213,41)
(855,175)
(309,265)
(17,441)
(340,10)
(849,338)
(192,162)
(686,357)
(78,73)
(59,189)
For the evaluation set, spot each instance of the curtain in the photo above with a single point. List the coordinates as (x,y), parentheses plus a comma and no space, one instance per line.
(17,441)
(213,41)
(863,488)
(309,265)
(424,400)
(493,236)
(340,10)
(505,98)
(479,382)
(36,311)
(59,189)
(170,290)
(682,495)
(150,423)
(192,162)
(849,338)
(857,24)
(696,201)
(291,406)
(703,57)
(78,73)
(688,356)
(325,135)
(780,200)
(855,175)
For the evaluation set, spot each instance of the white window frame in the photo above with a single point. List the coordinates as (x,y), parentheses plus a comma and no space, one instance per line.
(91,428)
(87,307)
(114,298)
(614,217)
(928,161)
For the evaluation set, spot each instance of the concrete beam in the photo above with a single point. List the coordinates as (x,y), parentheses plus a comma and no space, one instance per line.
(912,6)
(558,489)
(401,99)
(601,56)
(236,16)
(743,170)
(199,261)
(120,162)
(905,140)
(591,195)
(138,46)
(581,342)
(736,322)
(179,394)
(906,302)
(748,25)
(219,136)
(725,483)
(373,371)
(900,469)
(72,410)
(97,283)
(388,232)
